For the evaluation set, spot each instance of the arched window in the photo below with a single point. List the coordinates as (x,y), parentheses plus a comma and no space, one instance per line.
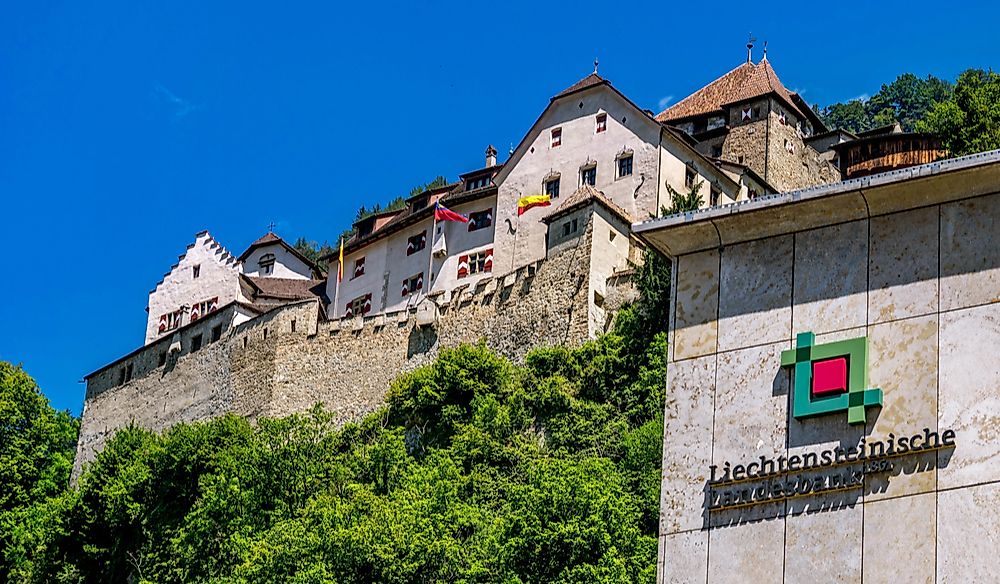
(266,264)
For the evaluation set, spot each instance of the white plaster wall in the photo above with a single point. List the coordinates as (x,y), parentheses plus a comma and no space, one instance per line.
(218,277)
(371,282)
(286,265)
(607,255)
(460,241)
(627,129)
(400,266)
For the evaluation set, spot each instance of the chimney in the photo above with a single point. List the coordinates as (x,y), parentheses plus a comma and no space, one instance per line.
(491,156)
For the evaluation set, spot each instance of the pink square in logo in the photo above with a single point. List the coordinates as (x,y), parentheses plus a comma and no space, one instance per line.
(829,376)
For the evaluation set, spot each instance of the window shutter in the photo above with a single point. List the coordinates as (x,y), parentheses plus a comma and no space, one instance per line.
(463,266)
(488,265)
(406,290)
(368,304)
(163,323)
(347,310)
(420,281)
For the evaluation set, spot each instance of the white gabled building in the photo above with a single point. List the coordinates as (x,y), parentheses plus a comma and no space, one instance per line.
(591,134)
(207,277)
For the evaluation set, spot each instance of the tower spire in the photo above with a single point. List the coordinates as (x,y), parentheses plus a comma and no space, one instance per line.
(750,42)
(595,65)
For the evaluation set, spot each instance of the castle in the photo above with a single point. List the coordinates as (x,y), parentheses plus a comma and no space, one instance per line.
(265,334)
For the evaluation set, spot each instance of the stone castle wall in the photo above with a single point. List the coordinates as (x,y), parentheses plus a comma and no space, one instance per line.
(287,360)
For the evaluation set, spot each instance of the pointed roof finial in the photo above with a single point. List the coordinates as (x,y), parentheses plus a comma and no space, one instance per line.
(595,65)
(750,42)
(270,227)
(765,50)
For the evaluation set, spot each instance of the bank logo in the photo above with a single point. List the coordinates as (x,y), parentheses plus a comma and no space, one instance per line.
(830,378)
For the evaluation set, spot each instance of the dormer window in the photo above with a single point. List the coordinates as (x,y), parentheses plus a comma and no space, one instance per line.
(602,123)
(473,184)
(266,264)
(556,137)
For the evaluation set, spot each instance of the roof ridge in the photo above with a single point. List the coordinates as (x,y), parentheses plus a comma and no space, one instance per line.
(703,87)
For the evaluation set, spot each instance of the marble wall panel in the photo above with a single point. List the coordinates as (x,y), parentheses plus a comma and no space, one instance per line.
(900,543)
(696,324)
(968,538)
(970,256)
(969,398)
(903,265)
(831,278)
(824,546)
(755,293)
(685,558)
(687,448)
(748,552)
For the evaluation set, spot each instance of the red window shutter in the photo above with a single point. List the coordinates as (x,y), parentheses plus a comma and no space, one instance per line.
(405,289)
(368,304)
(463,266)
(488,265)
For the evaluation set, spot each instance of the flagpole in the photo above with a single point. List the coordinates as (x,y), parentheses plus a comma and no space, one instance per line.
(340,276)
(430,253)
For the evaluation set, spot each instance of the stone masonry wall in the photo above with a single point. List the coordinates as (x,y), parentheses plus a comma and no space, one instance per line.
(286,360)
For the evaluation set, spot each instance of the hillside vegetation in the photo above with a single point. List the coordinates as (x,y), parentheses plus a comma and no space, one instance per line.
(475,470)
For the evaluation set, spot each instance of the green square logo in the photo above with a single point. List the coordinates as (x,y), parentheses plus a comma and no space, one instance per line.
(830,378)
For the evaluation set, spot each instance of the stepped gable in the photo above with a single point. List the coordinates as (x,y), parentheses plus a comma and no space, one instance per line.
(227,258)
(584,196)
(745,82)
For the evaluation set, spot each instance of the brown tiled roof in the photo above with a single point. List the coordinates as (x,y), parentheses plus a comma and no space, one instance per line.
(588,81)
(583,196)
(285,288)
(747,81)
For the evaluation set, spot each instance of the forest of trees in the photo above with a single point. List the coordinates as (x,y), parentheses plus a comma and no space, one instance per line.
(965,114)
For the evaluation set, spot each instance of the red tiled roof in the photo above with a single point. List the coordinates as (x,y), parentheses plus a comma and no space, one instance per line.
(744,82)
(588,81)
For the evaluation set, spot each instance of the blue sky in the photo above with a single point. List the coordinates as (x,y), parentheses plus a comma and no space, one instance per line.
(126,128)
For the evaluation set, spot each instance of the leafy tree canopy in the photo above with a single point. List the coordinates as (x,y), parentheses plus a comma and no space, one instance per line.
(969,122)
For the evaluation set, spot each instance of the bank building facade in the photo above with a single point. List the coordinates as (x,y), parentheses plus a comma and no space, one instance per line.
(833,391)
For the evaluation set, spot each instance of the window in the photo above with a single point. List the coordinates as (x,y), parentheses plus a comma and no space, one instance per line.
(266,264)
(293,325)
(789,146)
(196,271)
(602,123)
(216,333)
(625,166)
(412,284)
(480,220)
(359,268)
(569,228)
(170,321)
(753,194)
(713,196)
(552,187)
(360,306)
(477,183)
(475,263)
(556,137)
(126,374)
(416,243)
(265,333)
(588,176)
(716,151)
(689,177)
(203,308)
(195,343)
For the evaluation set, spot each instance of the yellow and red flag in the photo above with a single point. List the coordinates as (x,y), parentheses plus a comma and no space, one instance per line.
(532,201)
(340,268)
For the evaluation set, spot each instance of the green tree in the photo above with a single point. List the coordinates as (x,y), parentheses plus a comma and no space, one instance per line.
(906,101)
(314,251)
(970,121)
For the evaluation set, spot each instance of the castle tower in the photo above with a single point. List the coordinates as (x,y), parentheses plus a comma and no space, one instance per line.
(748,117)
